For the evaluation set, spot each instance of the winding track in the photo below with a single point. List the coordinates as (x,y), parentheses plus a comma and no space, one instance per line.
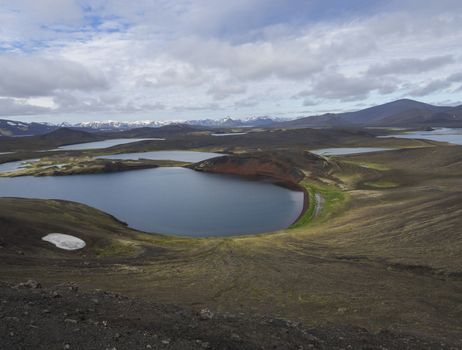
(318,201)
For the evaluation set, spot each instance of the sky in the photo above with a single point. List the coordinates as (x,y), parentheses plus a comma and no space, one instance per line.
(82,60)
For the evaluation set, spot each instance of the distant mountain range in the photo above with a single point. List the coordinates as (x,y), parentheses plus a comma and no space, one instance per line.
(400,113)
(15,128)
(227,122)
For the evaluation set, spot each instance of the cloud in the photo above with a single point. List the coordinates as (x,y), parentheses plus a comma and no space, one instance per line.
(114,56)
(334,85)
(307,96)
(226,89)
(24,21)
(71,102)
(436,85)
(410,65)
(14,107)
(301,94)
(198,107)
(164,73)
(46,11)
(246,103)
(156,106)
(429,88)
(292,58)
(455,78)
(307,102)
(26,76)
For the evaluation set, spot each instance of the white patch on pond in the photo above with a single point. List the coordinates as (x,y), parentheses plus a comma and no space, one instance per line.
(63,241)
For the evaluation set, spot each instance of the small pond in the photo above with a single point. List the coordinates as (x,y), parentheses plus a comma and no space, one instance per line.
(181,156)
(101,144)
(230,134)
(13,166)
(347,150)
(449,135)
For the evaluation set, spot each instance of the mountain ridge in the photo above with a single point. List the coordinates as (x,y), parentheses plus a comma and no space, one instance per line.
(395,113)
(399,113)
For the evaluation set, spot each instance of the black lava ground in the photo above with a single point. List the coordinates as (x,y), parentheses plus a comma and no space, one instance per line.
(62,317)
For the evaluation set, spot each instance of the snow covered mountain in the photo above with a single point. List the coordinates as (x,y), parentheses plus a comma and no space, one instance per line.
(17,128)
(227,122)
(110,125)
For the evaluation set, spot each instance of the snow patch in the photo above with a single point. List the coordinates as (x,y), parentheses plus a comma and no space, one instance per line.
(63,241)
(16,124)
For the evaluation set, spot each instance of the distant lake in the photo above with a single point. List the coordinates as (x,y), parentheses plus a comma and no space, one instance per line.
(449,135)
(13,166)
(347,150)
(230,134)
(181,156)
(101,144)
(174,201)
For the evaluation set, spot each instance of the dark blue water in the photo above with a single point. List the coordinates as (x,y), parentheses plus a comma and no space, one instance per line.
(175,201)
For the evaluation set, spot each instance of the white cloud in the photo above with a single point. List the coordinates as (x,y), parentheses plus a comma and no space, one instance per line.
(246,103)
(436,85)
(14,107)
(429,87)
(307,102)
(114,56)
(410,65)
(26,76)
(334,85)
(223,90)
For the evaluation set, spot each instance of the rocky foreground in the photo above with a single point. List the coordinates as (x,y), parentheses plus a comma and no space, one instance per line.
(63,317)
